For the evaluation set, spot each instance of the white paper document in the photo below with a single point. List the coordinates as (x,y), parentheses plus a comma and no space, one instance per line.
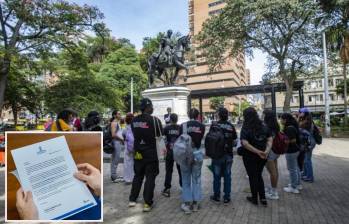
(46,169)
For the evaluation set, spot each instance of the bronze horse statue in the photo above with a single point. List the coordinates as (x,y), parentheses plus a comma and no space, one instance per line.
(160,63)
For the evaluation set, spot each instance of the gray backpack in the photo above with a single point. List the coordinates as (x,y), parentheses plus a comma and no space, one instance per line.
(183,148)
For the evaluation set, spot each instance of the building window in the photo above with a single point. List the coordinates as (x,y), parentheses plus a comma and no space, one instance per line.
(330,82)
(321,97)
(212,4)
(295,99)
(214,12)
(310,98)
(332,97)
(338,81)
(319,83)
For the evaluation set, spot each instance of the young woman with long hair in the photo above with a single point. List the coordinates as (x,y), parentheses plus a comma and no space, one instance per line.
(256,141)
(271,122)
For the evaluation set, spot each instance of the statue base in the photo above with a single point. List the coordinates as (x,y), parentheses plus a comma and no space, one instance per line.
(175,97)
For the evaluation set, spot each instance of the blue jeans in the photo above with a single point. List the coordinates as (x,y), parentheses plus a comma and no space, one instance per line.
(115,159)
(219,167)
(293,169)
(308,165)
(191,181)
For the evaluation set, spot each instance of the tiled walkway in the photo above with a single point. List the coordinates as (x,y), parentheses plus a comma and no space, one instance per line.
(324,201)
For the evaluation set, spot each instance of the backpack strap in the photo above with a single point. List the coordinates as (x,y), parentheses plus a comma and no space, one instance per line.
(185,130)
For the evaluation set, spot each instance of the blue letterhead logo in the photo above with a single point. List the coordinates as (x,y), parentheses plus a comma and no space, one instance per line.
(41,151)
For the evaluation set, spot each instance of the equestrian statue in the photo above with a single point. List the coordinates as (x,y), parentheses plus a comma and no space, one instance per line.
(169,60)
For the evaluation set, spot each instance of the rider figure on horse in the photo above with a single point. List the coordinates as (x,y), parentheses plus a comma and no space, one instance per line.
(166,47)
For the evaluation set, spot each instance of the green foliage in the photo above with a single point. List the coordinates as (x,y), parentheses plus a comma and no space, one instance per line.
(118,69)
(41,26)
(216,102)
(83,92)
(23,91)
(244,105)
(340,87)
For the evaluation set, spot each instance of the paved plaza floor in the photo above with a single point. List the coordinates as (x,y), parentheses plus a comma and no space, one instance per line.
(324,201)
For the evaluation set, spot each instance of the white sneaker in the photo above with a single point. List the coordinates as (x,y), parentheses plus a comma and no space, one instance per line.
(195,207)
(299,187)
(291,190)
(132,204)
(185,208)
(272,196)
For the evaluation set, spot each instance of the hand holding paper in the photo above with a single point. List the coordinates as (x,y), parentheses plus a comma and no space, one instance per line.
(91,176)
(46,169)
(25,205)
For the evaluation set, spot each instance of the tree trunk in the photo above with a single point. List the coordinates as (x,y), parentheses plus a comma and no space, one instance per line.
(4,71)
(288,95)
(345,95)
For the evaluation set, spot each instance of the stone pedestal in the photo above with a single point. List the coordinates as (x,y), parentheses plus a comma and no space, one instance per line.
(175,97)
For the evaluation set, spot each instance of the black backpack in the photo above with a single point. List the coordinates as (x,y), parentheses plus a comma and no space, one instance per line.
(215,143)
(108,146)
(317,135)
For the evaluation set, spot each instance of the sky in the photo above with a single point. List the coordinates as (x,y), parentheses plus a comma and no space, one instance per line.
(136,19)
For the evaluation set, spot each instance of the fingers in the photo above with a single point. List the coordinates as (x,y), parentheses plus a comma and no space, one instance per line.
(81,176)
(88,167)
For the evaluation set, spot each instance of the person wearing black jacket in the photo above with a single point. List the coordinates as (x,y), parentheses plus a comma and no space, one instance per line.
(256,140)
(171,132)
(224,164)
(146,162)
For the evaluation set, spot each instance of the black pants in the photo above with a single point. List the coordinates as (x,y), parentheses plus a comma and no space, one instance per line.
(300,160)
(149,170)
(254,168)
(169,170)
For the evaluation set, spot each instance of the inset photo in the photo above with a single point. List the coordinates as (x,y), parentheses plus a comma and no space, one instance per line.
(54,176)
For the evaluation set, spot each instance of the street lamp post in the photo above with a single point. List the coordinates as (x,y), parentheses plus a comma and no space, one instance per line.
(327,104)
(132,95)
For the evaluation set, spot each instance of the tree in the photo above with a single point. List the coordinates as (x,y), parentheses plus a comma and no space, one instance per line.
(337,34)
(83,92)
(118,69)
(284,30)
(36,26)
(23,91)
(244,105)
(216,102)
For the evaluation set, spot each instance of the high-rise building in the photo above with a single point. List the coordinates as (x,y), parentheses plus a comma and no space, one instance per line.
(231,74)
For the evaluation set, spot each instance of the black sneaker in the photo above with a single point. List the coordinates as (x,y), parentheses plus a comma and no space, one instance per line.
(226,201)
(264,202)
(215,199)
(252,200)
(166,192)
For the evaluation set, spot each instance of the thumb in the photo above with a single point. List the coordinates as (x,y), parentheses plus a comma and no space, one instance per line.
(81,176)
(29,196)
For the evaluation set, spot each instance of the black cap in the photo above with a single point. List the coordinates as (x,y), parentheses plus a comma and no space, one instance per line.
(145,102)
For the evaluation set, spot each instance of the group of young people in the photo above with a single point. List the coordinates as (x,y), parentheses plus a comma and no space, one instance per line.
(260,140)
(259,145)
